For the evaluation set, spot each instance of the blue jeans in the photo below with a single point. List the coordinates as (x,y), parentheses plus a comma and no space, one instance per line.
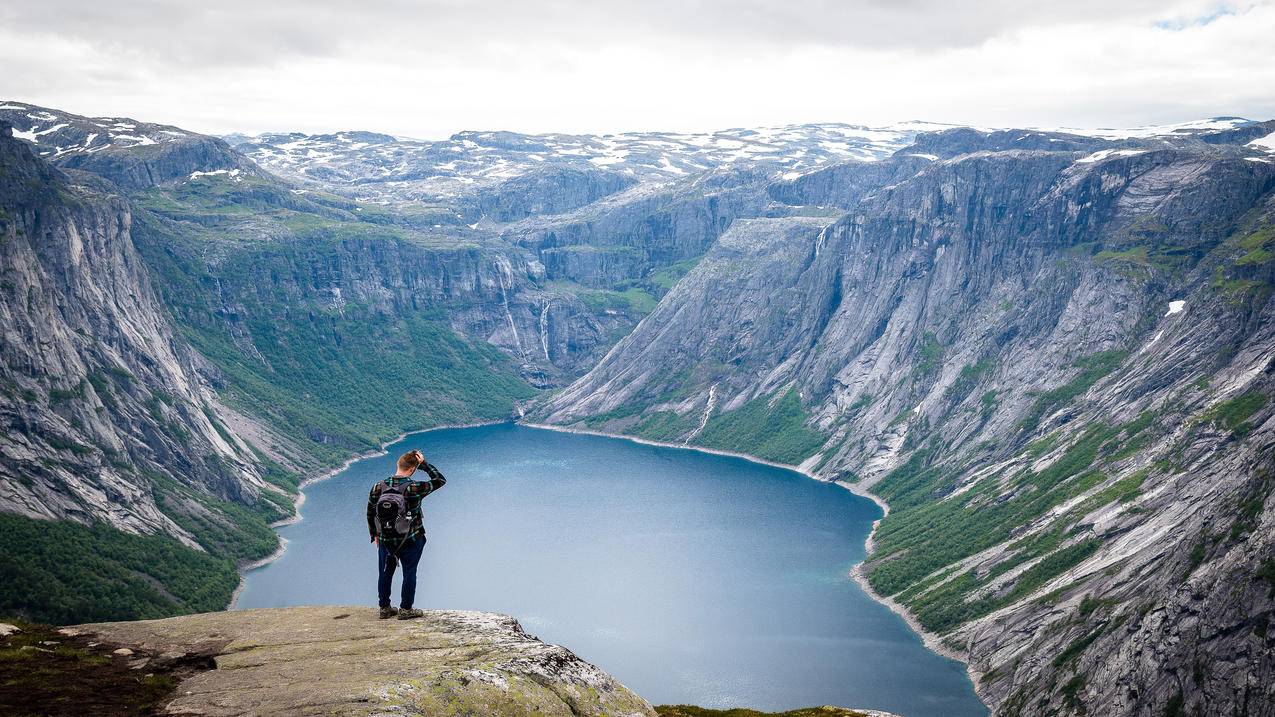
(409,554)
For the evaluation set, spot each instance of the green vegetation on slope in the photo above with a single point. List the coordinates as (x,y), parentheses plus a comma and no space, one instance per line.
(1233,413)
(1092,369)
(63,572)
(775,432)
(668,276)
(1246,265)
(335,382)
(929,529)
(666,426)
(355,384)
(631,300)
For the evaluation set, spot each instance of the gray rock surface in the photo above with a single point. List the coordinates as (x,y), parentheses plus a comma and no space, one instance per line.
(99,395)
(343,660)
(952,311)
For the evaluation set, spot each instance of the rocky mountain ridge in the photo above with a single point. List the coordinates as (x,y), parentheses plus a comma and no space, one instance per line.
(380,167)
(1054,365)
(132,154)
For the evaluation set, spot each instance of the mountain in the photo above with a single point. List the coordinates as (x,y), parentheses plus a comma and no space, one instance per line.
(478,166)
(108,417)
(1054,365)
(1049,351)
(133,155)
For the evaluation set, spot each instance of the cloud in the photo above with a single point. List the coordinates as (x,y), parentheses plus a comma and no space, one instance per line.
(250,32)
(431,68)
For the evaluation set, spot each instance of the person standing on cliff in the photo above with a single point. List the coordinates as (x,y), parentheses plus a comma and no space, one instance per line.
(394,521)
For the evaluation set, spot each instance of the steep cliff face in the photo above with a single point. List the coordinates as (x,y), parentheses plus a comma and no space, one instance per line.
(1054,365)
(106,417)
(124,486)
(628,235)
(258,276)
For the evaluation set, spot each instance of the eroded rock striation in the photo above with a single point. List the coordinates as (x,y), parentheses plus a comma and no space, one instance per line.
(96,384)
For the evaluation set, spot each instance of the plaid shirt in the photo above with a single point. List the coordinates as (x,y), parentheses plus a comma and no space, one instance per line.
(414,493)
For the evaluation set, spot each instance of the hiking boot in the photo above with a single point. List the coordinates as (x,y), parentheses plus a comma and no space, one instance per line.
(410,613)
(388,612)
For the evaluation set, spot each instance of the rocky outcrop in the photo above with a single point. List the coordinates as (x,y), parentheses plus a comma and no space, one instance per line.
(343,660)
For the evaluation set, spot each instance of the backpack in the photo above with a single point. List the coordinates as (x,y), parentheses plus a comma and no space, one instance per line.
(393,520)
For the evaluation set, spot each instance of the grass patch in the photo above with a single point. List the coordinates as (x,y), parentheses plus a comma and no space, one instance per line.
(632,300)
(1160,258)
(1258,247)
(1233,413)
(929,355)
(1122,491)
(1266,571)
(47,674)
(666,426)
(968,380)
(667,277)
(1092,369)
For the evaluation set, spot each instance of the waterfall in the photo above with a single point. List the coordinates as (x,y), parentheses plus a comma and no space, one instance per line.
(506,284)
(708,411)
(544,329)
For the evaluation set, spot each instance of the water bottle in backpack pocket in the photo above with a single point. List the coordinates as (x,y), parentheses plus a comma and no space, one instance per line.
(393,521)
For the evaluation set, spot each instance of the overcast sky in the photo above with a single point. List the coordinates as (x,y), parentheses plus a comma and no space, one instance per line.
(429,68)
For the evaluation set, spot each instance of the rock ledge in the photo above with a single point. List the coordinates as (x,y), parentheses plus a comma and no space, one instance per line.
(342,660)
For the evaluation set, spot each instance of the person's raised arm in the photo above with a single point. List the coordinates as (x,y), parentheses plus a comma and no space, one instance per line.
(436,479)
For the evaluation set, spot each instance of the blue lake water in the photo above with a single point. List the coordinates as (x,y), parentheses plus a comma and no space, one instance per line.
(690,577)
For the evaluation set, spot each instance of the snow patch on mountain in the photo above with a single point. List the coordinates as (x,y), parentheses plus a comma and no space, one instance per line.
(1267,143)
(57,133)
(1214,124)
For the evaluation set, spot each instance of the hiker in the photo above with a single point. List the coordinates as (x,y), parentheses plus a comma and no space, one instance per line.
(394,520)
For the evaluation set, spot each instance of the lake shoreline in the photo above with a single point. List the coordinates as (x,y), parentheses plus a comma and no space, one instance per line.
(931,640)
(299,500)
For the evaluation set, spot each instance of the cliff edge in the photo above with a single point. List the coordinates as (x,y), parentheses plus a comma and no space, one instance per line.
(343,660)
